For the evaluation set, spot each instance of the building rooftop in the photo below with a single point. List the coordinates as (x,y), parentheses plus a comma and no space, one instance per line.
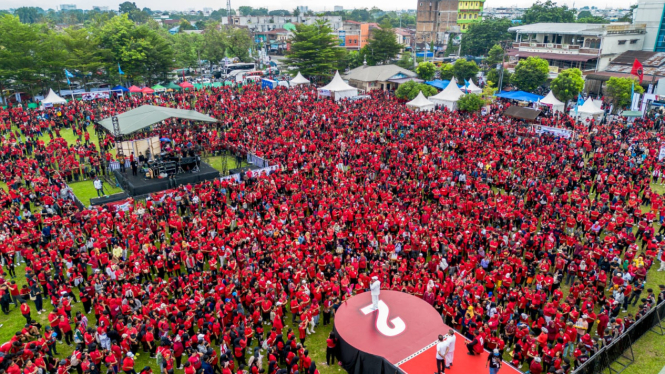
(591,29)
(377,73)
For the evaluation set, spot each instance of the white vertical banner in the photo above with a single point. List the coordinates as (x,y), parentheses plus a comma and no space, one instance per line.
(636,102)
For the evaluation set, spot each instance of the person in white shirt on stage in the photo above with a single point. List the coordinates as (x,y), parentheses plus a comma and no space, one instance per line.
(450,354)
(375,289)
(441,351)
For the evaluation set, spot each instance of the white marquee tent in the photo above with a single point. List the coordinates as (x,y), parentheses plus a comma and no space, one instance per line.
(449,96)
(299,79)
(472,88)
(420,103)
(53,99)
(338,88)
(588,110)
(551,100)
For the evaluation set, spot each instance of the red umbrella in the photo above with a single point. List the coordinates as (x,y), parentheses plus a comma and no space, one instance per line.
(134,89)
(186,85)
(147,90)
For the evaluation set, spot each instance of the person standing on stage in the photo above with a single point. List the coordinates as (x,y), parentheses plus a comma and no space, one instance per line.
(494,361)
(451,339)
(375,288)
(441,351)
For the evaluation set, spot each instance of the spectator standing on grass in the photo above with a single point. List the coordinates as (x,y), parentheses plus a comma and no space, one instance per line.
(99,187)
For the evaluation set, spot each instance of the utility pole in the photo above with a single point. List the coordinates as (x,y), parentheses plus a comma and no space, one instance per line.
(228,12)
(504,44)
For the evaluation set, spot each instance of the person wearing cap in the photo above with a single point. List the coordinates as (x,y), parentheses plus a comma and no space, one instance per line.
(128,363)
(494,361)
(375,289)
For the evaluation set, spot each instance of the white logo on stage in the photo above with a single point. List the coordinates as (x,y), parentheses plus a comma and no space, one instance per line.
(382,320)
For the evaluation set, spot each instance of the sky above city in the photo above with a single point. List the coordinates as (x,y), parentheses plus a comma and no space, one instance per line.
(289,4)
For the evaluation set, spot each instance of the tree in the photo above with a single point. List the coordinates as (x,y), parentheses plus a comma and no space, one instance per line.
(494,56)
(426,70)
(593,19)
(279,12)
(446,72)
(19,44)
(628,17)
(383,45)
(213,45)
(296,12)
(465,70)
(483,35)
(410,89)
(584,14)
(530,73)
(186,48)
(238,42)
(83,53)
(352,59)
(470,102)
(127,7)
(619,89)
(567,85)
(29,14)
(314,50)
(548,12)
(494,76)
(259,12)
(245,10)
(406,61)
(185,25)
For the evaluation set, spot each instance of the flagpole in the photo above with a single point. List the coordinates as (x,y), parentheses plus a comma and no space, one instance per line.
(69,83)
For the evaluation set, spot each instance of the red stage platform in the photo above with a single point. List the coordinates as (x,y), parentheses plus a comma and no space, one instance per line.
(398,337)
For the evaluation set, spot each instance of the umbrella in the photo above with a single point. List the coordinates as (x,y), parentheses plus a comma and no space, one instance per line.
(158,88)
(165,140)
(147,90)
(134,89)
(186,85)
(119,88)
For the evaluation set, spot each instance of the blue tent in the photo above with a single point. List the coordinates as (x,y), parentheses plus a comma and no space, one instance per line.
(441,84)
(520,96)
(120,88)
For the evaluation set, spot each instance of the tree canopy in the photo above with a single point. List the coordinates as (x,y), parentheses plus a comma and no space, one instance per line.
(470,102)
(548,12)
(314,50)
(426,70)
(483,35)
(382,46)
(530,73)
(619,89)
(409,90)
(568,84)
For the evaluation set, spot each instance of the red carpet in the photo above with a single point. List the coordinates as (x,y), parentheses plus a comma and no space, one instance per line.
(425,362)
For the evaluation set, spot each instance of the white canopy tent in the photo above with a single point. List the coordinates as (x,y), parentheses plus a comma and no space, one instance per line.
(299,79)
(449,96)
(472,88)
(588,110)
(338,88)
(551,100)
(420,103)
(52,99)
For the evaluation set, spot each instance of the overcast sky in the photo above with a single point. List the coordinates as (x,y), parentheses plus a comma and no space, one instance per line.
(288,4)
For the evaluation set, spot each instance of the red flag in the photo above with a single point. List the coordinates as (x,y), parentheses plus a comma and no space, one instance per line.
(638,70)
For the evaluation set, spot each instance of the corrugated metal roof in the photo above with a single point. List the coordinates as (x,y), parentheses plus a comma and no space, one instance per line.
(377,73)
(552,56)
(559,28)
(653,63)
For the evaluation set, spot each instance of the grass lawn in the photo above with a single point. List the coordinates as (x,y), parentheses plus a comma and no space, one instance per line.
(216,162)
(85,190)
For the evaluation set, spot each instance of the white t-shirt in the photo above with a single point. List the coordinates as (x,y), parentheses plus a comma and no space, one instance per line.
(441,349)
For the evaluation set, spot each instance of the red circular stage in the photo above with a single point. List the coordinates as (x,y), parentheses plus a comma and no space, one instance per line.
(399,337)
(403,326)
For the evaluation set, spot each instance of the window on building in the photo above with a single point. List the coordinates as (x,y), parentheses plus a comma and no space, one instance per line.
(459,16)
(622,42)
(633,41)
(475,16)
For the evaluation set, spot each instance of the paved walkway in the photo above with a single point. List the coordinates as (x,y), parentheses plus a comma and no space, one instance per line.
(662,371)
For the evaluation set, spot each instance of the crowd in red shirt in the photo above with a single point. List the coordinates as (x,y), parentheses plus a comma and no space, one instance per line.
(523,243)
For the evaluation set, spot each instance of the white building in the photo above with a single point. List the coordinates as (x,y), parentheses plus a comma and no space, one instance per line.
(67,7)
(303,9)
(589,47)
(338,8)
(650,12)
(269,23)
